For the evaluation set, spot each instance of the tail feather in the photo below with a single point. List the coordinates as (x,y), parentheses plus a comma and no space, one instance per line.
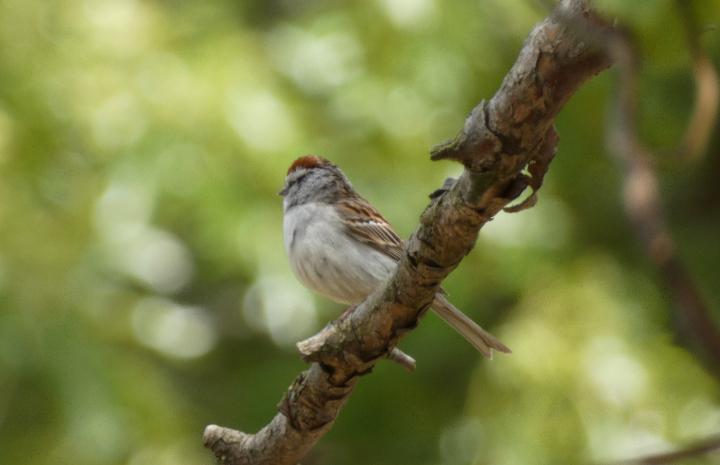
(477,336)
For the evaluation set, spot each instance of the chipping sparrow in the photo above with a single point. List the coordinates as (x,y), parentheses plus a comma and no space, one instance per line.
(339,246)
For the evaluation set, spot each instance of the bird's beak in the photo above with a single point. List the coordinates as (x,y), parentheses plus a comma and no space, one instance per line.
(283,191)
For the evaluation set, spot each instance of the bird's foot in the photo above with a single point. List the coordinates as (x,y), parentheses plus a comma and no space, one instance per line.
(347,312)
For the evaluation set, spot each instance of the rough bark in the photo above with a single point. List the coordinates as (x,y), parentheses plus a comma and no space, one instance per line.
(500,138)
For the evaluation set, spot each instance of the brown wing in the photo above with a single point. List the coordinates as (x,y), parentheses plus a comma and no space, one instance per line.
(369,227)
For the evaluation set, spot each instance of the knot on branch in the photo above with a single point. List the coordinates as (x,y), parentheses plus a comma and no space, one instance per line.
(476,147)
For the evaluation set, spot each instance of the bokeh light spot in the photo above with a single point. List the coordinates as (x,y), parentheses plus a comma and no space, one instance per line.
(155,257)
(618,377)
(409,13)
(163,77)
(159,259)
(175,330)
(404,113)
(281,307)
(611,440)
(261,120)
(315,63)
(122,213)
(462,441)
(101,435)
(119,122)
(120,26)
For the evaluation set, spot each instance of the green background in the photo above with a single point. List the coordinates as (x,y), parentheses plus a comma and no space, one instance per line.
(144,290)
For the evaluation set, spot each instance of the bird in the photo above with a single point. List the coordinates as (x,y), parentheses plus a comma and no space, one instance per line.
(339,246)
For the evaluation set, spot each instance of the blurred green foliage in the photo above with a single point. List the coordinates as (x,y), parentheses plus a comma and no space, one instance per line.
(144,291)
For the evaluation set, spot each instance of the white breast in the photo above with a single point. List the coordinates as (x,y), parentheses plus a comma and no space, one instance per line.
(328,260)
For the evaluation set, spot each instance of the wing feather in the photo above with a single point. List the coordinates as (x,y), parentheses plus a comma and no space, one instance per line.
(369,227)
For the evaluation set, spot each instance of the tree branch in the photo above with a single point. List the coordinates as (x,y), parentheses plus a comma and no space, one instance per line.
(641,190)
(499,140)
